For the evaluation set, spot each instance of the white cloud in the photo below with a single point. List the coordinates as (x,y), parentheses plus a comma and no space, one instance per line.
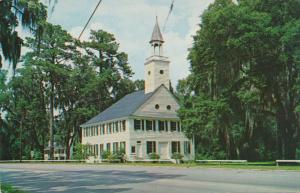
(132,21)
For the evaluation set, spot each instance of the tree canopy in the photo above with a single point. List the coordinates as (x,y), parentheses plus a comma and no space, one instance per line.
(242,97)
(62,83)
(30,14)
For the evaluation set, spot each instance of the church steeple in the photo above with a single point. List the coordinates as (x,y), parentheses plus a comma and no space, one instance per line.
(157,65)
(157,39)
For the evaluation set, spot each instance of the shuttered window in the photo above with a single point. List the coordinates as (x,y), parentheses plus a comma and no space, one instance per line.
(173,126)
(151,147)
(108,147)
(175,146)
(161,125)
(137,124)
(149,125)
(187,147)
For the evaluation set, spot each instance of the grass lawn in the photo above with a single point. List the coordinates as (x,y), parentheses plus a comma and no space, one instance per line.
(250,165)
(270,165)
(5,188)
(254,165)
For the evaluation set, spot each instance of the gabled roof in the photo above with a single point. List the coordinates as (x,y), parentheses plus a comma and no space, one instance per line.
(147,110)
(125,107)
(122,108)
(156,34)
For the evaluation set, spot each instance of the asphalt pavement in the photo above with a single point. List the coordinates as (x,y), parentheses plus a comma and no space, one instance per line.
(81,178)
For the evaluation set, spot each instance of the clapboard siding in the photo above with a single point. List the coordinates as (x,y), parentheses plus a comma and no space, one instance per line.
(162,97)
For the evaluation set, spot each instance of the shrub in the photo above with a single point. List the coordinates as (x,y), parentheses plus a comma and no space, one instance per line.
(298,153)
(37,155)
(177,156)
(117,155)
(80,152)
(120,154)
(105,154)
(201,156)
(111,157)
(153,156)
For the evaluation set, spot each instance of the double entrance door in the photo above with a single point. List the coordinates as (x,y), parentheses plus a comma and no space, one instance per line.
(163,150)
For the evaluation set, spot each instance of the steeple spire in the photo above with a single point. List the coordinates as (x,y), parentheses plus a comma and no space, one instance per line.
(157,65)
(157,39)
(156,34)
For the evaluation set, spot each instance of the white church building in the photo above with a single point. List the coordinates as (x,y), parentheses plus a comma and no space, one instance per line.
(145,121)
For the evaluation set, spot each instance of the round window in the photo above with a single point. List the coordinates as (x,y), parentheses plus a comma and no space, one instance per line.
(161,72)
(169,107)
(157,106)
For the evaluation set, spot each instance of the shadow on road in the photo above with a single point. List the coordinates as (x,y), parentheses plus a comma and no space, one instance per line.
(80,181)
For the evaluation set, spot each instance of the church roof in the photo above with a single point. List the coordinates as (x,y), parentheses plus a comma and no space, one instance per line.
(156,34)
(122,108)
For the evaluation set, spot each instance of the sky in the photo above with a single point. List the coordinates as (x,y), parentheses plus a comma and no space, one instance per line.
(132,22)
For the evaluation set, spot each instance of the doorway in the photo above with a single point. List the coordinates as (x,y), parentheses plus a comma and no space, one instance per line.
(163,150)
(139,151)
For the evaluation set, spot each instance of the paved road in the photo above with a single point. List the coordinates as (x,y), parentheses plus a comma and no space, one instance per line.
(136,179)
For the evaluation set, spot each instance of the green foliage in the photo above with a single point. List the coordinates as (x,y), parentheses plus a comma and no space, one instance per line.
(38,155)
(153,156)
(3,124)
(31,14)
(105,154)
(139,84)
(203,156)
(112,157)
(298,154)
(81,151)
(298,151)
(177,156)
(6,188)
(240,101)
(56,77)
(120,154)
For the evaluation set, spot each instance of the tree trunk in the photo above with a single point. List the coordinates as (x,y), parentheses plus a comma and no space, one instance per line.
(51,118)
(287,143)
(21,136)
(68,146)
(71,142)
(291,143)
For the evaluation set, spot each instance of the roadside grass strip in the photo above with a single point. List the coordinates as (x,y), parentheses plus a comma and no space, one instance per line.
(6,188)
(266,165)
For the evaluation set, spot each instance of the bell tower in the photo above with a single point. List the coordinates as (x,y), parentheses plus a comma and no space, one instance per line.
(157,65)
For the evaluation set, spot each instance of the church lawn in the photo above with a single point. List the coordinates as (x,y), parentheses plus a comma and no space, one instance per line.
(271,165)
(250,165)
(268,165)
